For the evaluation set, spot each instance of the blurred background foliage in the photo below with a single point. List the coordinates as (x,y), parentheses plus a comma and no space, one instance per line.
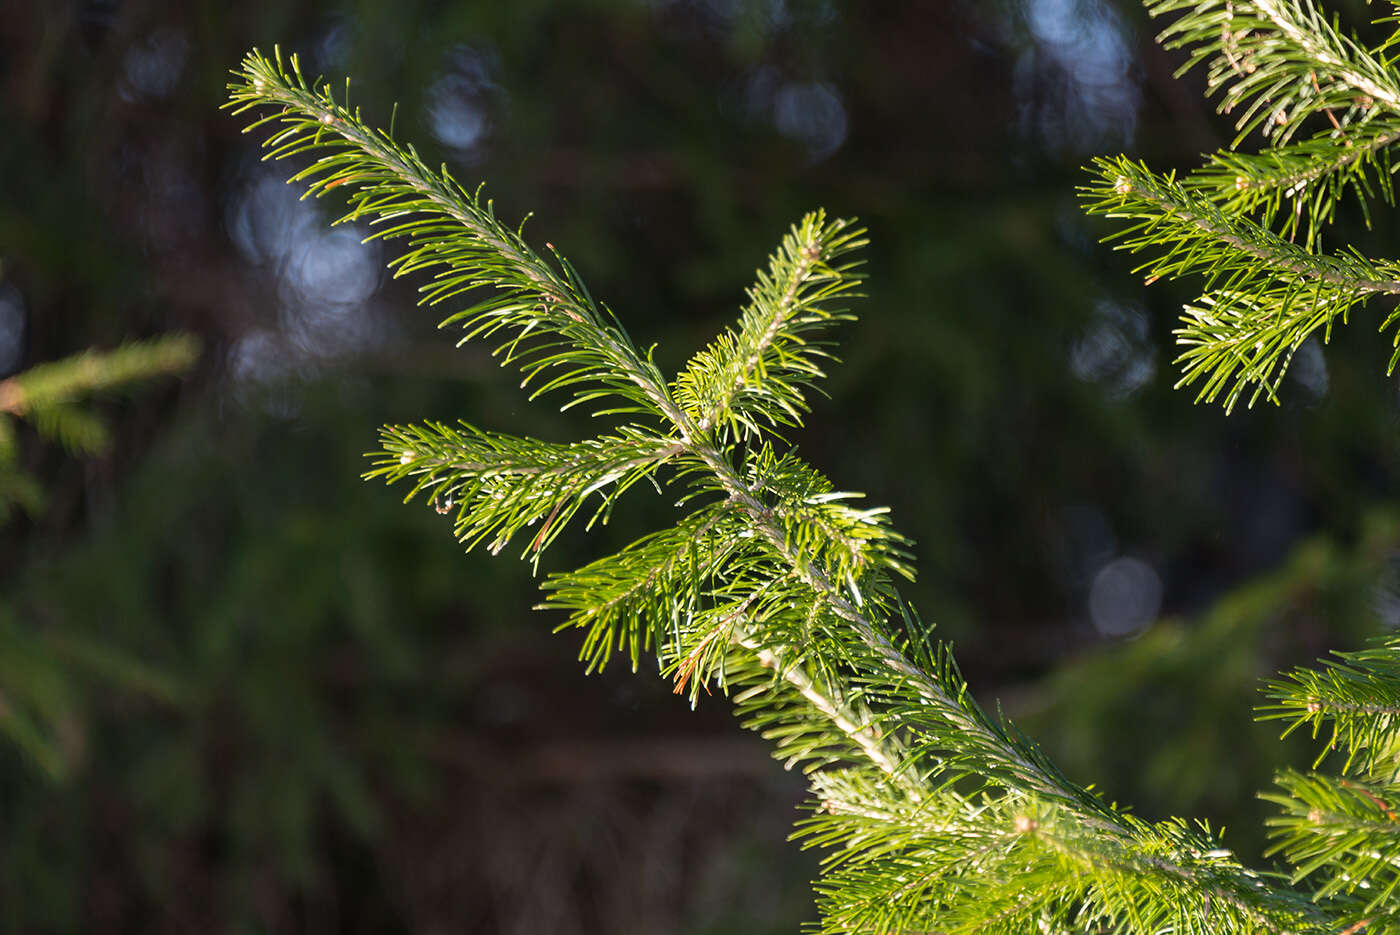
(266,697)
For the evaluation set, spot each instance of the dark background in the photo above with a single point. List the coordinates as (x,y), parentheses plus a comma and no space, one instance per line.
(282,701)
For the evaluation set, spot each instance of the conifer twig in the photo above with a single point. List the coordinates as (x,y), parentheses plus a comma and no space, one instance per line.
(775,587)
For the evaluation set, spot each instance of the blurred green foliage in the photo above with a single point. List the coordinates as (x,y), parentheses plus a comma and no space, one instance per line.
(51,398)
(279,701)
(1179,698)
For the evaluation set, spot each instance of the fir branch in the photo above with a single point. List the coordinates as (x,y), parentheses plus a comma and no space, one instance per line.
(547,322)
(60,383)
(810,718)
(938,867)
(775,588)
(924,697)
(942,701)
(499,484)
(1355,697)
(1296,188)
(638,596)
(816,521)
(1265,296)
(753,377)
(1279,62)
(48,396)
(1343,832)
(387,182)
(949,718)
(1195,237)
(963,744)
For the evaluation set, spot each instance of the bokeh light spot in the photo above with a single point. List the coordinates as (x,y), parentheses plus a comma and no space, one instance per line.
(460,102)
(1115,351)
(1308,370)
(154,64)
(1076,79)
(12,317)
(1125,597)
(811,113)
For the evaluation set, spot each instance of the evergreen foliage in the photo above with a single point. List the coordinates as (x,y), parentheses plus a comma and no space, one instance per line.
(48,397)
(779,590)
(37,699)
(1251,225)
